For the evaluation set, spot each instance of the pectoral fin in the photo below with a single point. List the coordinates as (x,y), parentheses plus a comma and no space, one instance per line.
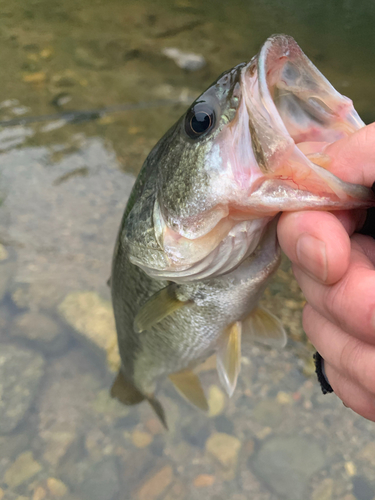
(228,357)
(262,326)
(158,306)
(189,386)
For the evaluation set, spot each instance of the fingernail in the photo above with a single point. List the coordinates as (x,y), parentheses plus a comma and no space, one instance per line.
(312,257)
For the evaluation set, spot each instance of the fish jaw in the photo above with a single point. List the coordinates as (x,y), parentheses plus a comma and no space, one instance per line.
(293,113)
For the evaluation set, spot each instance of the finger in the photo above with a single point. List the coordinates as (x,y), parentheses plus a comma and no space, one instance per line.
(351,394)
(352,158)
(349,303)
(352,220)
(317,242)
(367,245)
(349,356)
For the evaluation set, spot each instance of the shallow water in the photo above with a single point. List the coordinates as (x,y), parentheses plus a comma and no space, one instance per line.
(63,188)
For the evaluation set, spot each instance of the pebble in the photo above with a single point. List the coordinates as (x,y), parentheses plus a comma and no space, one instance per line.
(224,448)
(58,443)
(23,469)
(41,332)
(185,60)
(216,401)
(367,454)
(21,371)
(56,487)
(196,434)
(3,253)
(36,296)
(284,398)
(35,78)
(224,424)
(177,491)
(204,480)
(92,318)
(350,468)
(154,426)
(39,493)
(285,465)
(155,486)
(263,433)
(141,439)
(324,491)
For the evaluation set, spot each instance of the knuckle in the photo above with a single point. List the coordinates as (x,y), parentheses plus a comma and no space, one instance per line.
(335,301)
(352,363)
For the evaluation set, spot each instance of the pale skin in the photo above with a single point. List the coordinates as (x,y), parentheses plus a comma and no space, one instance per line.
(335,268)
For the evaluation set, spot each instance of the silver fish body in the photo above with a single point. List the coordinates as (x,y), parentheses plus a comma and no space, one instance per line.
(189,335)
(197,243)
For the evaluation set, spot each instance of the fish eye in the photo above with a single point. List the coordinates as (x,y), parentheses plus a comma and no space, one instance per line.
(199,120)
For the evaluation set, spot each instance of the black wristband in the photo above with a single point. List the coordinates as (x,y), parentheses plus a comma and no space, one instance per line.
(320,373)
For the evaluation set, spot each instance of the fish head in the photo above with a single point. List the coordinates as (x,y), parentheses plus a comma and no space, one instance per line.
(247,148)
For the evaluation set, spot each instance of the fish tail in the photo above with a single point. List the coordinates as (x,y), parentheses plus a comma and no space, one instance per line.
(126,392)
(159,410)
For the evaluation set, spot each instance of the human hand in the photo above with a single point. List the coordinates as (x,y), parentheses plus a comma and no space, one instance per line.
(335,268)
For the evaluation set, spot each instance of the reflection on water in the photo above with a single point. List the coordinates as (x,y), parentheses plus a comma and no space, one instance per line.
(63,188)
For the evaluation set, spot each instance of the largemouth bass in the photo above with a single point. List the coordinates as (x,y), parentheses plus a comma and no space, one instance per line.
(197,242)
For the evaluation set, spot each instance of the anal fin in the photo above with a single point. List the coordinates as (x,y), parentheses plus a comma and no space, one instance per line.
(158,306)
(189,386)
(262,326)
(228,357)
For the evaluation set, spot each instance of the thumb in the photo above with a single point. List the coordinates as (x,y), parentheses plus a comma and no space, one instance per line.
(353,158)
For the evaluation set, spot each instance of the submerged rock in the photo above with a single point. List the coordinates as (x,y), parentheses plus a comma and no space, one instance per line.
(156,484)
(92,318)
(285,464)
(224,448)
(41,332)
(23,469)
(185,60)
(362,488)
(100,481)
(216,401)
(20,373)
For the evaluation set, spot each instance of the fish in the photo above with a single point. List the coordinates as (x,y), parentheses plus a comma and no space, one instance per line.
(197,243)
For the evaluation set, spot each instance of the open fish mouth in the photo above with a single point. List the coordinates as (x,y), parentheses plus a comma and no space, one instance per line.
(272,161)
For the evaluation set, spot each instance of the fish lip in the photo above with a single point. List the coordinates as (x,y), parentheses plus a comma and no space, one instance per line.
(279,76)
